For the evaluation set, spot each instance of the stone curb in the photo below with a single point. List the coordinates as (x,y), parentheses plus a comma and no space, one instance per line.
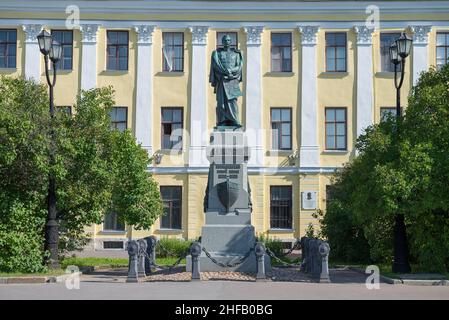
(409,282)
(41,279)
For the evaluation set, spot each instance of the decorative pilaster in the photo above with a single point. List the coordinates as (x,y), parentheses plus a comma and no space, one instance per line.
(254,108)
(365,85)
(89,56)
(420,55)
(309,150)
(198,94)
(32,52)
(144,87)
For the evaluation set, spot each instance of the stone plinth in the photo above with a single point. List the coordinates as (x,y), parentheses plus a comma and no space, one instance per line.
(228,234)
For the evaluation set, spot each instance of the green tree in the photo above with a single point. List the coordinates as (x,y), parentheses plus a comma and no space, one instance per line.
(405,175)
(97,170)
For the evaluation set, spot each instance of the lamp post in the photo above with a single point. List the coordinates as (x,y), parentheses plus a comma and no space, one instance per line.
(399,51)
(51,49)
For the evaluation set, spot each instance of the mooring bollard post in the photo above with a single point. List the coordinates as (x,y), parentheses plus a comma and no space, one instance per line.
(141,260)
(195,252)
(260,251)
(303,254)
(151,253)
(133,251)
(324,252)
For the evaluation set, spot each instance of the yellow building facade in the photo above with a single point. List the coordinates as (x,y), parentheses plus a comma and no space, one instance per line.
(315,75)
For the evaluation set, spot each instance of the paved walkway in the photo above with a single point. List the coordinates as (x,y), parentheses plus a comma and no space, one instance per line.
(111,285)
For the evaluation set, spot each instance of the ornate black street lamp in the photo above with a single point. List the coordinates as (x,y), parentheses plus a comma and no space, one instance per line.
(399,51)
(51,49)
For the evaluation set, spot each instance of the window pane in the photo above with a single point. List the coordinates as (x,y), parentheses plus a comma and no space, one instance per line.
(285,39)
(341,115)
(275,39)
(286,129)
(330,143)
(111,63)
(286,143)
(341,64)
(2,62)
(112,37)
(286,52)
(68,37)
(441,39)
(330,39)
(177,38)
(166,128)
(341,129)
(285,116)
(441,53)
(67,51)
(177,115)
(11,61)
(341,142)
(123,64)
(123,38)
(275,53)
(123,51)
(286,65)
(330,114)
(276,65)
(12,36)
(3,36)
(330,53)
(121,126)
(341,39)
(167,115)
(178,52)
(330,129)
(121,114)
(275,114)
(341,52)
(330,64)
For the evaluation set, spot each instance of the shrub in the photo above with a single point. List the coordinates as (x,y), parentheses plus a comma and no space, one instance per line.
(173,247)
(274,244)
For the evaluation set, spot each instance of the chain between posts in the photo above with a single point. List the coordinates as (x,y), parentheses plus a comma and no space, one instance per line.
(227,265)
(272,255)
(153,263)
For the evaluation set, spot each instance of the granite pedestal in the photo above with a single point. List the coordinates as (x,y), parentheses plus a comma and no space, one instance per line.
(228,234)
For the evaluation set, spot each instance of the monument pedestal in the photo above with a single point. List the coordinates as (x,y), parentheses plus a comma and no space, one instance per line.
(228,235)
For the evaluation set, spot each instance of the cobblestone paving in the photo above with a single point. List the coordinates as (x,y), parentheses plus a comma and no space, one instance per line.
(277,274)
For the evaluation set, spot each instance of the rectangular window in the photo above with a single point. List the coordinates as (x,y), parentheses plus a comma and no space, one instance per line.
(281,128)
(117,50)
(280,207)
(173,51)
(232,35)
(281,52)
(386,39)
(442,49)
(336,52)
(119,118)
(336,128)
(65,39)
(386,112)
(67,110)
(172,202)
(112,222)
(171,125)
(8,48)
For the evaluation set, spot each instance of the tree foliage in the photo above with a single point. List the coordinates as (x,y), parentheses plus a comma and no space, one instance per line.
(398,172)
(97,170)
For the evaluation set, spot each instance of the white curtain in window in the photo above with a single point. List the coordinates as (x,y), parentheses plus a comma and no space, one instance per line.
(168,56)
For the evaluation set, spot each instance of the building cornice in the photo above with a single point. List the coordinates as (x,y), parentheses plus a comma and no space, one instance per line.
(253,8)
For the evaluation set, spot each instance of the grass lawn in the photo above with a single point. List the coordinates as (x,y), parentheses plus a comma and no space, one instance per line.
(50,273)
(111,262)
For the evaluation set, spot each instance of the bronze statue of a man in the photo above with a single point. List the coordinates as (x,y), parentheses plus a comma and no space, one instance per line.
(225,76)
